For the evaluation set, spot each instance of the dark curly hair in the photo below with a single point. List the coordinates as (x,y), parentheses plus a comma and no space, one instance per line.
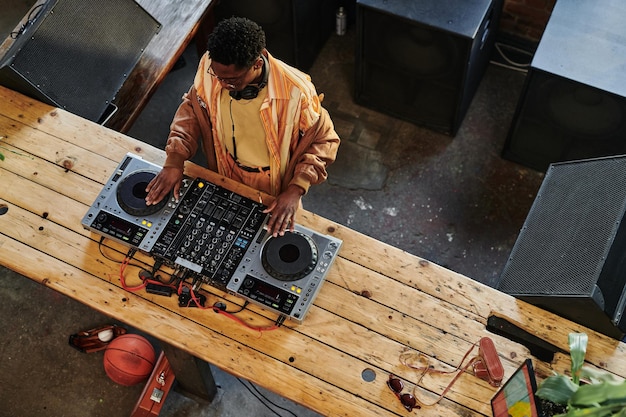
(237,41)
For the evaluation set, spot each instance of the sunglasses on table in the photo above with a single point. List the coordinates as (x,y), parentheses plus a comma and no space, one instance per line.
(397,386)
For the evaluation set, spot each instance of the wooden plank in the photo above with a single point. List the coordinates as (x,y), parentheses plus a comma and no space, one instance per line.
(109,144)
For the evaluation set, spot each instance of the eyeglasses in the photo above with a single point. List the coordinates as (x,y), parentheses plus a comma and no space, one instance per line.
(408,400)
(229,80)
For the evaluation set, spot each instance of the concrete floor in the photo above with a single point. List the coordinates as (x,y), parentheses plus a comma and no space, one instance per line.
(453,201)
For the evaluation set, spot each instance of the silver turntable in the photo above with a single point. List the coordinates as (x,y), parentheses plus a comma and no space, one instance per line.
(285,273)
(120,211)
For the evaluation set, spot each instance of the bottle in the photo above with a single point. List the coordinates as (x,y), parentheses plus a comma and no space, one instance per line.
(341,21)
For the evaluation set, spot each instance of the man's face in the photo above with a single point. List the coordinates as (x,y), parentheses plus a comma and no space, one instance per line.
(232,77)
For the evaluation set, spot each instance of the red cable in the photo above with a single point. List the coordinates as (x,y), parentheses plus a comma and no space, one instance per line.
(123,266)
(230,315)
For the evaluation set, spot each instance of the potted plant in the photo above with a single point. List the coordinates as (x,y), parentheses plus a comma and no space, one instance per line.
(587,392)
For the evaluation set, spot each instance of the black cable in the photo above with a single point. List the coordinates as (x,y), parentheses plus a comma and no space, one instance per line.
(153,273)
(280,320)
(111,258)
(30,21)
(262,398)
(233,125)
(243,307)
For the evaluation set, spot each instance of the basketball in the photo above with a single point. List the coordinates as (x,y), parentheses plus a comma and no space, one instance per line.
(129,359)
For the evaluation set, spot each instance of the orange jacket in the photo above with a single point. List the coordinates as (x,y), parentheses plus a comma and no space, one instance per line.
(300,135)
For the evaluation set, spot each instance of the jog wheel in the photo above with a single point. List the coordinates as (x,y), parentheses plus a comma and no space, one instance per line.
(289,257)
(131,194)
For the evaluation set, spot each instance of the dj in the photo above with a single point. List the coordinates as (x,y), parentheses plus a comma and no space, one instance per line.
(258,121)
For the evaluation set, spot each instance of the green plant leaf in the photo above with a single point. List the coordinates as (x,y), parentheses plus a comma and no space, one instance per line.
(595,376)
(577,351)
(621,413)
(597,394)
(557,388)
(593,412)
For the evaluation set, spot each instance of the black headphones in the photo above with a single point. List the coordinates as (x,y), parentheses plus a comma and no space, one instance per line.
(251,91)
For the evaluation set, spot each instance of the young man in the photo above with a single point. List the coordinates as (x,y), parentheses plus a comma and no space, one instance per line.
(258,121)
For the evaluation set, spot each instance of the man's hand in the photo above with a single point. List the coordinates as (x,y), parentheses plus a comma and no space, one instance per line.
(283,211)
(163,183)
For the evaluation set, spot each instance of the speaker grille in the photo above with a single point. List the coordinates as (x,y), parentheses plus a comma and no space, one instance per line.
(569,231)
(82,51)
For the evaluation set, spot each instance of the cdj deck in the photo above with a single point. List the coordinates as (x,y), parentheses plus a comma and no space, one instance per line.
(216,236)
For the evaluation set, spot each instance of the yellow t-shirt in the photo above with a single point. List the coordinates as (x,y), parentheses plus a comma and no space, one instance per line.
(242,120)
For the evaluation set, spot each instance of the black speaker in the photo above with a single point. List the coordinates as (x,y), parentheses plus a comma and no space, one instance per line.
(573,104)
(295,30)
(570,255)
(422,61)
(76,54)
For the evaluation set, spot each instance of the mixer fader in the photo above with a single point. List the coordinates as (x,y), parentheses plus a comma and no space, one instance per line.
(210,232)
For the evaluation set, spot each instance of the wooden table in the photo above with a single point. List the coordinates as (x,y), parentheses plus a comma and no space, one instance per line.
(376,303)
(180,21)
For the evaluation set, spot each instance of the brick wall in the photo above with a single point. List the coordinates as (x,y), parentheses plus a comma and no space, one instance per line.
(526,19)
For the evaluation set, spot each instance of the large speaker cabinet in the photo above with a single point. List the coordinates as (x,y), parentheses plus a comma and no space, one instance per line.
(570,255)
(76,54)
(422,60)
(573,104)
(295,30)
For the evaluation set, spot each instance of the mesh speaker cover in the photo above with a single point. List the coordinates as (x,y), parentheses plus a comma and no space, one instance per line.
(79,53)
(571,247)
